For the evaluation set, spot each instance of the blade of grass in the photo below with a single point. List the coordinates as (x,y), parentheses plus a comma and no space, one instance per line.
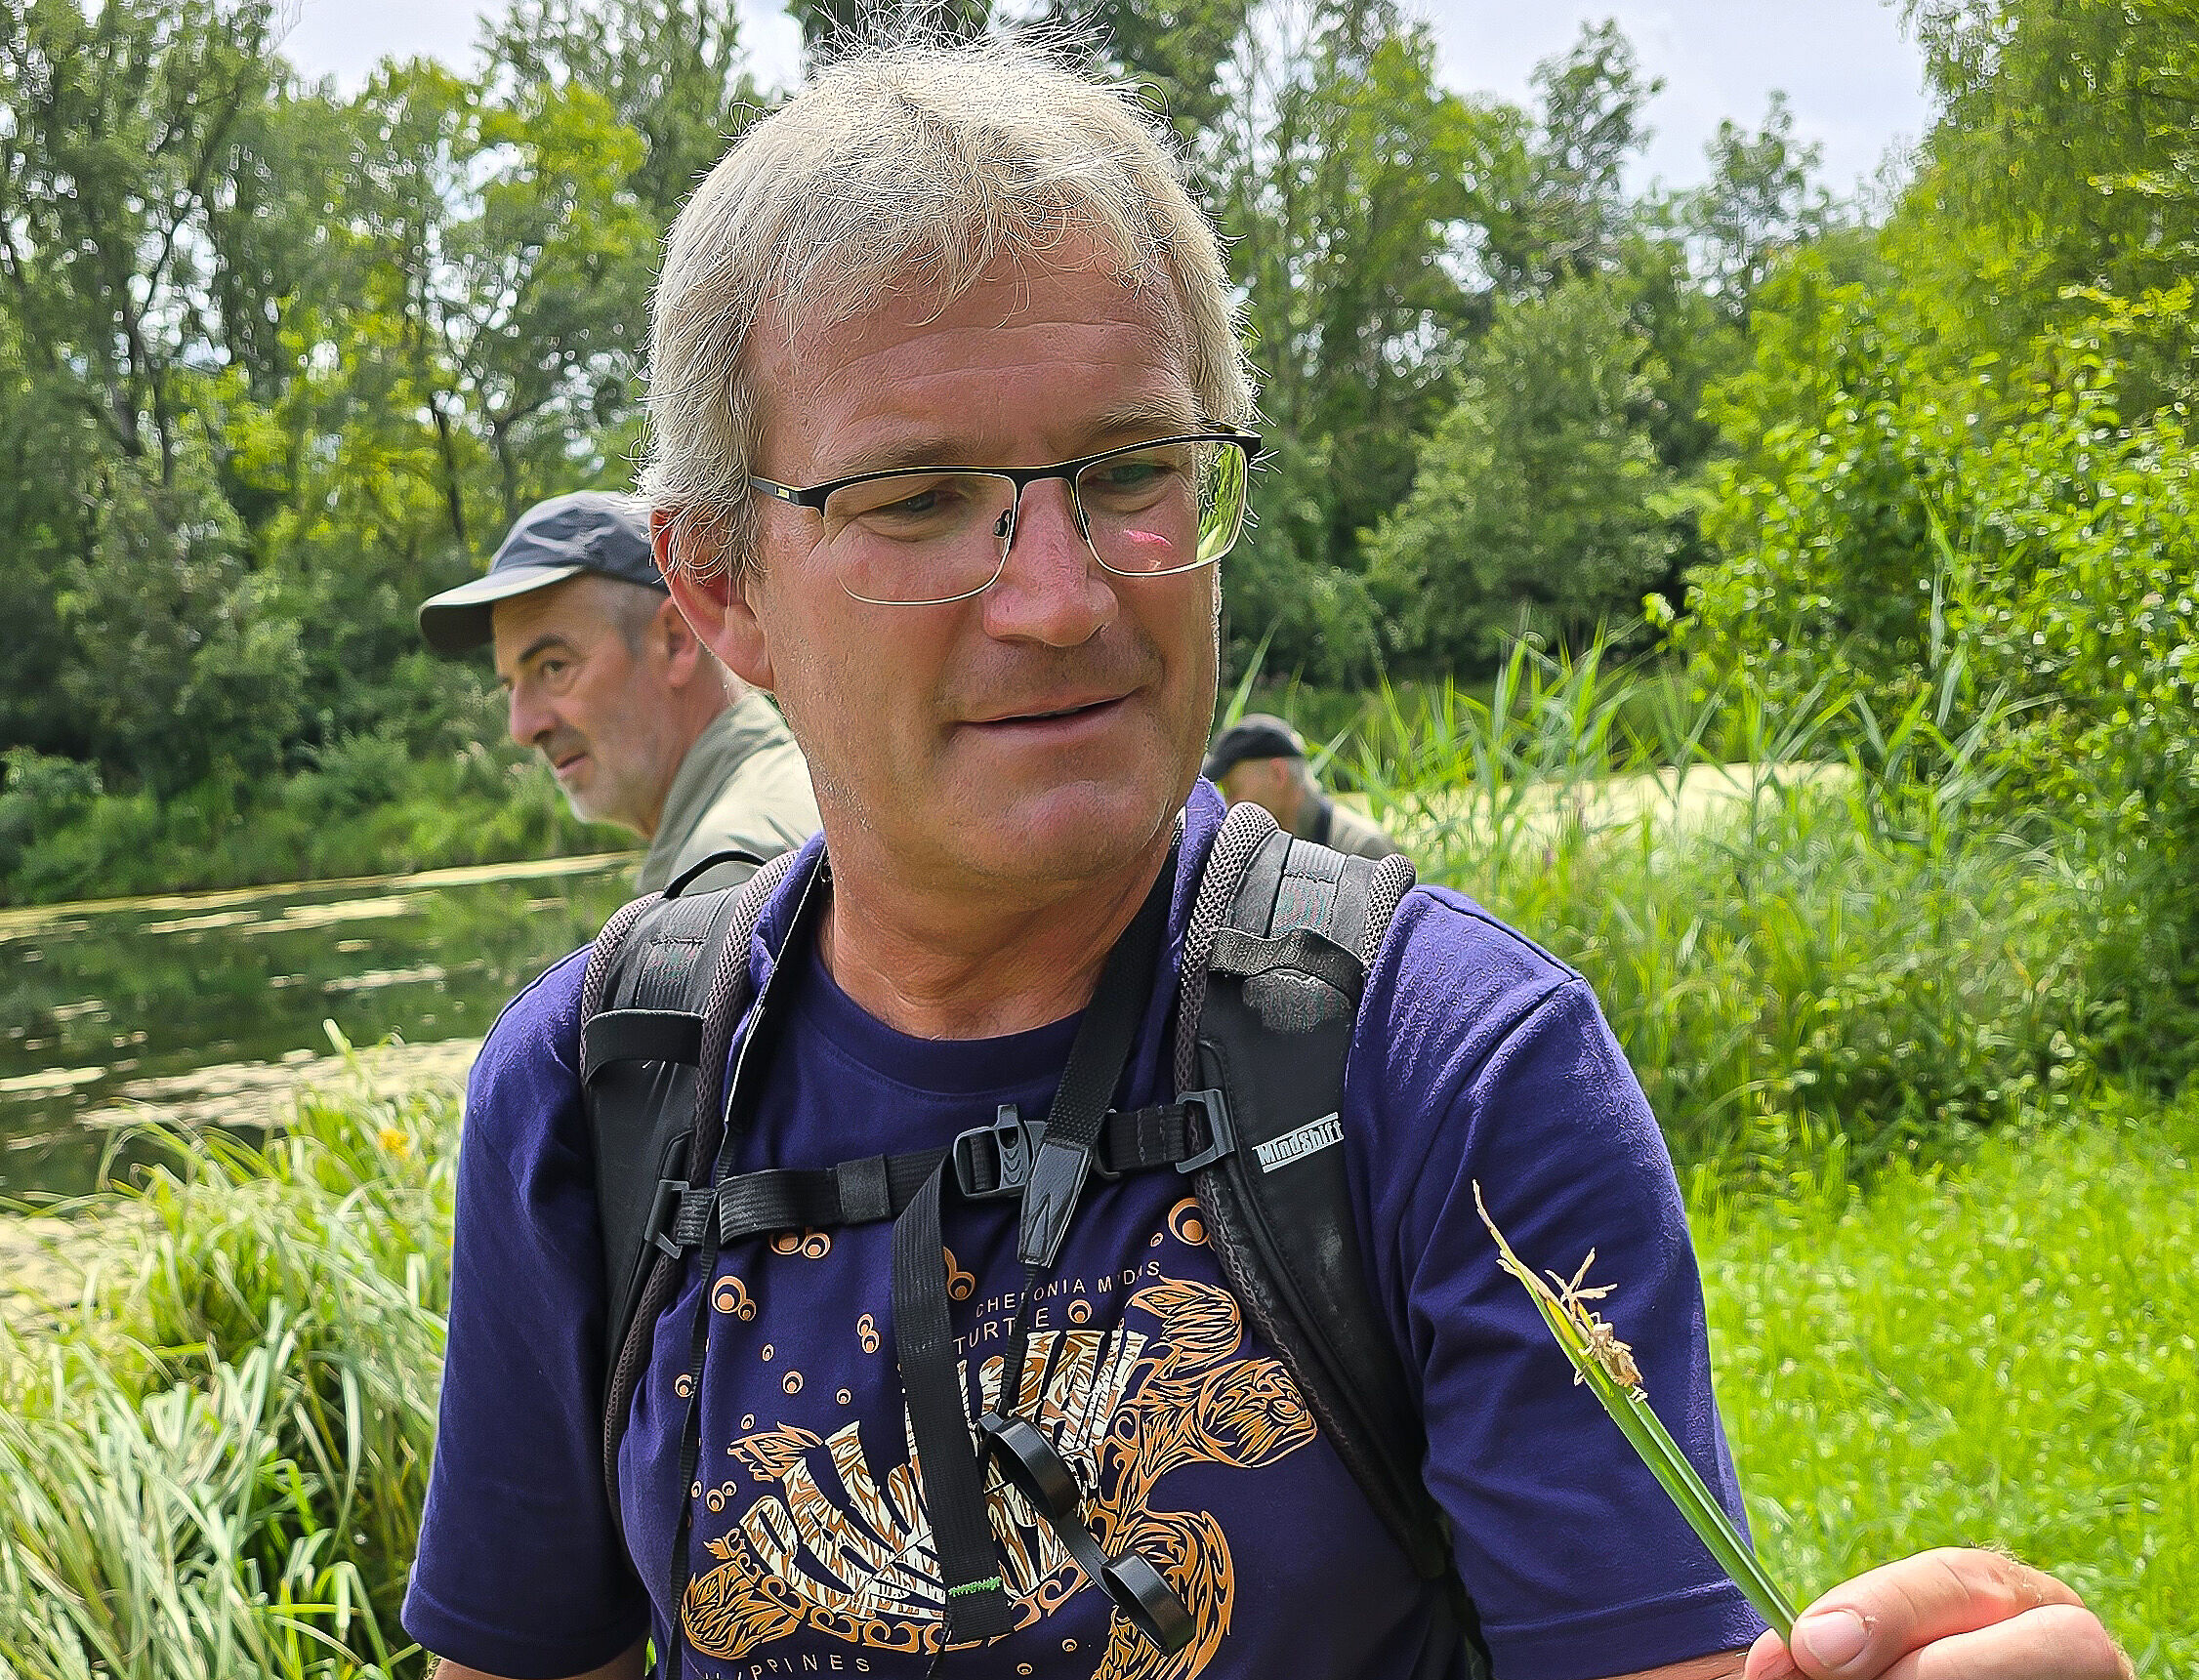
(1603,1363)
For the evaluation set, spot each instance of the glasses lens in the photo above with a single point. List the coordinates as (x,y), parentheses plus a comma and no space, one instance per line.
(1167,508)
(911,538)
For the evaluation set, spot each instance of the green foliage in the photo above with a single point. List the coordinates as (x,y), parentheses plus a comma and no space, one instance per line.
(2062,161)
(38,793)
(1539,504)
(1997,1351)
(216,1464)
(2006,533)
(273,363)
(1558,207)
(1342,181)
(369,808)
(670,70)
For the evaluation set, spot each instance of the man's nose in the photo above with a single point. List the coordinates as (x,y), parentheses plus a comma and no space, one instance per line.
(1052,589)
(525,716)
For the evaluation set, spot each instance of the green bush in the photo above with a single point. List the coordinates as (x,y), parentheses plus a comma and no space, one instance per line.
(2005,538)
(38,793)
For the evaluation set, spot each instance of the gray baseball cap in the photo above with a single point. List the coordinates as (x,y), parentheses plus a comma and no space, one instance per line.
(1256,735)
(586,531)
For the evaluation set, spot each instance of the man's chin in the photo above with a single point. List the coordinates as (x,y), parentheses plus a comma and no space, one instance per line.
(1071,834)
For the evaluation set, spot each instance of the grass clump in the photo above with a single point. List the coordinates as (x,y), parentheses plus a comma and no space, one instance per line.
(215,1464)
(2002,1353)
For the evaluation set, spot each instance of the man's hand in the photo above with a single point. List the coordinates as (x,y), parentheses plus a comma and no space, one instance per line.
(1945,1616)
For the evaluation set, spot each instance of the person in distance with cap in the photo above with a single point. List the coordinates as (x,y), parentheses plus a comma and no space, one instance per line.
(1262,759)
(639,722)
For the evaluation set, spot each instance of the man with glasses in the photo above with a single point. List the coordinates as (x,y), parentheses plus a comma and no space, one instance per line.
(949,433)
(641,723)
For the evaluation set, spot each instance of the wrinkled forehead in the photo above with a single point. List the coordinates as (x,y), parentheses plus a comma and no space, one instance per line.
(1015,293)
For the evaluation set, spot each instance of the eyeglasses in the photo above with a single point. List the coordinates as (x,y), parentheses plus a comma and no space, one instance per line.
(926,536)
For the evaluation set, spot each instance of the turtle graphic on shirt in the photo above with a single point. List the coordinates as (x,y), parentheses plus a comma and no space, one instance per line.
(847,1553)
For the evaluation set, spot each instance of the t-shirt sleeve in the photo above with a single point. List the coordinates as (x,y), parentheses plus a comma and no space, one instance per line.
(521,1571)
(1494,1065)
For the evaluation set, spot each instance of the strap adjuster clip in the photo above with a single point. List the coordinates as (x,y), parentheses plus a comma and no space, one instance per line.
(1015,1141)
(664,1213)
(1221,1133)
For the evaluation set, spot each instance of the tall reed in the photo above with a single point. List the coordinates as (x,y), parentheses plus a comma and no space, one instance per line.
(1818,955)
(214,1464)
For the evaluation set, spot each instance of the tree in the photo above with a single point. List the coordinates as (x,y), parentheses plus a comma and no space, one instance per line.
(1180,52)
(1558,207)
(524,260)
(826,25)
(2061,165)
(672,71)
(1758,204)
(1344,174)
(118,129)
(1540,504)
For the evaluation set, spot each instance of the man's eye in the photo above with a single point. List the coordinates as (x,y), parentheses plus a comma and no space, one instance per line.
(908,509)
(1134,480)
(922,505)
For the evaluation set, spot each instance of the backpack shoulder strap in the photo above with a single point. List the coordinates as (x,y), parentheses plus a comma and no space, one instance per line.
(1275,962)
(666,984)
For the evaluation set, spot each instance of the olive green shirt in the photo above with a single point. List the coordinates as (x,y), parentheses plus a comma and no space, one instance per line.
(1322,820)
(742,786)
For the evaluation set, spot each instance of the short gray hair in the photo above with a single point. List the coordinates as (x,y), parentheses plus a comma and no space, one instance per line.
(928,162)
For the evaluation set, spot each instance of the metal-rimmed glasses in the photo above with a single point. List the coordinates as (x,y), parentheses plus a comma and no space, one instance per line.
(927,536)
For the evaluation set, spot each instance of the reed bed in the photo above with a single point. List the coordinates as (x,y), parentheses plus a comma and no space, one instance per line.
(1825,955)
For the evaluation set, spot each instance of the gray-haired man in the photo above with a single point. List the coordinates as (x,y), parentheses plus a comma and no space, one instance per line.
(948,410)
(642,725)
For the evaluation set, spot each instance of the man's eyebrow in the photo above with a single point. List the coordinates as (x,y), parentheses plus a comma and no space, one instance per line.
(541,645)
(1124,423)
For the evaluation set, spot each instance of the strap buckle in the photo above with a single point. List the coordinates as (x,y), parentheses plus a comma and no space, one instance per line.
(1220,1132)
(1015,1142)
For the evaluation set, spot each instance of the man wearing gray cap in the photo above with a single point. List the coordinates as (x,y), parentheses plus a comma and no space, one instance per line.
(1262,759)
(639,722)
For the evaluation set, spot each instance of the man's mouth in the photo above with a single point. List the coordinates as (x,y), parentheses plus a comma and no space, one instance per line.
(1069,712)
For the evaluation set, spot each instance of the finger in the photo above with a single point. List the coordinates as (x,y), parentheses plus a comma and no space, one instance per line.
(1769,1659)
(1865,1625)
(2054,1642)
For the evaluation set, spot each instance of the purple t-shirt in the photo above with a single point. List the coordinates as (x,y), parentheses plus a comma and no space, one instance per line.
(1476,1056)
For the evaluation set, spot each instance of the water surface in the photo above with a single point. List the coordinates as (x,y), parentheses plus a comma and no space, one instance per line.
(208,1007)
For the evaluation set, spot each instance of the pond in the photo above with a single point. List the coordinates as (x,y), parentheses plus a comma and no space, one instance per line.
(210,1008)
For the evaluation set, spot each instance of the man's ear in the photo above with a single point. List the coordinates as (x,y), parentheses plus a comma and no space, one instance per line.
(714,605)
(683,648)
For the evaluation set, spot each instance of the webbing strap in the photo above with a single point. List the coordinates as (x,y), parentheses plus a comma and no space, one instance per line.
(954,1494)
(952,1472)
(638,1036)
(738,1101)
(986,1162)
(1096,1057)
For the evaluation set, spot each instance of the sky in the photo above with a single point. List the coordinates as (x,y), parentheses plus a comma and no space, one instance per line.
(1854,79)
